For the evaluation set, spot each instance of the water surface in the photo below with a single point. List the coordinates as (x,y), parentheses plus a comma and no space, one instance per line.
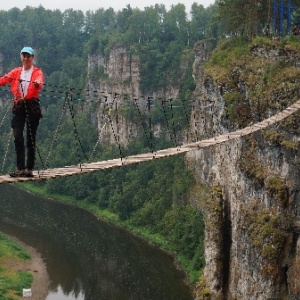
(86,258)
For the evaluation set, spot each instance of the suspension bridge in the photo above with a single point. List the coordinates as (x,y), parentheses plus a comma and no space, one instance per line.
(139,158)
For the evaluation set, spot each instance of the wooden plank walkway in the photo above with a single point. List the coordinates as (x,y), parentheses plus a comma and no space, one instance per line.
(135,159)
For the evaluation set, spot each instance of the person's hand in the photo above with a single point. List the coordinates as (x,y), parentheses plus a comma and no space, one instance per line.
(36,84)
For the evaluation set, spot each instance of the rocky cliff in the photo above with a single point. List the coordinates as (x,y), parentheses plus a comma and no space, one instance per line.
(252,208)
(248,188)
(116,78)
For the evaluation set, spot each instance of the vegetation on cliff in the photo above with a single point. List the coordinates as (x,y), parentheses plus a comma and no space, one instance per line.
(256,78)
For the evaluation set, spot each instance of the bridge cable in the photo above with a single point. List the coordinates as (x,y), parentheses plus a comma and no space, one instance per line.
(9,137)
(104,121)
(166,152)
(173,124)
(56,132)
(62,89)
(167,122)
(6,151)
(5,115)
(27,124)
(131,135)
(117,121)
(187,119)
(144,125)
(195,120)
(149,100)
(69,98)
(116,137)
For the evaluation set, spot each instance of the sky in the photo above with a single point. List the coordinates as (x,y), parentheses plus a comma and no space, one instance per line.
(85,5)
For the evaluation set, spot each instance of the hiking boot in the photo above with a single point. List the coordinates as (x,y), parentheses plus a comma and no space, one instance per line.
(18,173)
(28,173)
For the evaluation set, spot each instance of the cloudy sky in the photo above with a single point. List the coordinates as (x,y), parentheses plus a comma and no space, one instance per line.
(85,5)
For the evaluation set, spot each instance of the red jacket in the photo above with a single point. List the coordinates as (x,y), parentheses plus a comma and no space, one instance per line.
(13,77)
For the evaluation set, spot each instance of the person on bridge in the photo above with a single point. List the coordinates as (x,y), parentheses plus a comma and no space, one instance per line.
(26,84)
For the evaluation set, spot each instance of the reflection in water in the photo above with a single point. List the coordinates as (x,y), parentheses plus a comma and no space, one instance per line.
(60,295)
(86,258)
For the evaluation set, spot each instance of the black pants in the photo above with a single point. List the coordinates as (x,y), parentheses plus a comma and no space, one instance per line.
(25,112)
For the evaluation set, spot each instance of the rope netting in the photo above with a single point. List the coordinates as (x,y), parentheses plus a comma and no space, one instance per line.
(182,120)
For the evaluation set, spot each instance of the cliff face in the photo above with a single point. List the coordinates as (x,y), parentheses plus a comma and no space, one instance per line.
(114,79)
(110,79)
(118,74)
(252,207)
(252,215)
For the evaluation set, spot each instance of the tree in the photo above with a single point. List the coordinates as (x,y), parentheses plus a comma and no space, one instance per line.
(243,17)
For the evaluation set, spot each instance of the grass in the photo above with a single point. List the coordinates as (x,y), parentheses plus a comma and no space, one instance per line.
(12,282)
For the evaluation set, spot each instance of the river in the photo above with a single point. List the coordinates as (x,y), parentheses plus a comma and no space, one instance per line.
(86,258)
